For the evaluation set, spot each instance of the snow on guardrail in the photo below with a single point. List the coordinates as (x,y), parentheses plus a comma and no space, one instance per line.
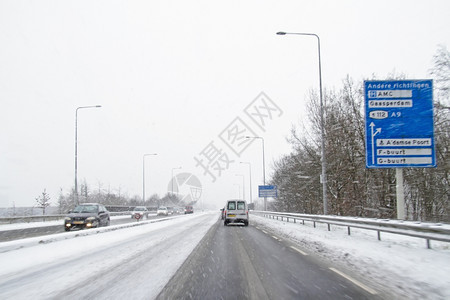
(428,231)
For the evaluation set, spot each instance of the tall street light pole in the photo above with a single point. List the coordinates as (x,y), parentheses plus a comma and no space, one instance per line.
(76,147)
(172,176)
(250,171)
(243,185)
(264,165)
(239,190)
(322,124)
(143,175)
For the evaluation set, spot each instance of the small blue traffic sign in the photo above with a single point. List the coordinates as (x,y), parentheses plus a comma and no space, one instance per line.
(267,191)
(399,124)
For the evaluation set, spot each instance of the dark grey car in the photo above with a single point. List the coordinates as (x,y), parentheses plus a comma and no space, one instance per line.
(87,215)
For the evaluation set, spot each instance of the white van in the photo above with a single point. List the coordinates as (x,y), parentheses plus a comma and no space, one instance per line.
(236,211)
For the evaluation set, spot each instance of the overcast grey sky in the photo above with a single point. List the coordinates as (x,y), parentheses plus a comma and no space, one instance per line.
(171,76)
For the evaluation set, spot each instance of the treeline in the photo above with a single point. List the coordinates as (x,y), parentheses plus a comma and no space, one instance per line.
(354,190)
(113,198)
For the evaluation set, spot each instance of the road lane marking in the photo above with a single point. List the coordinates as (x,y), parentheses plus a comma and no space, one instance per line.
(291,288)
(299,251)
(264,231)
(275,237)
(354,281)
(256,290)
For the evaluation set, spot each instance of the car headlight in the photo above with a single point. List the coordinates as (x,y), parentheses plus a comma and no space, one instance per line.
(67,219)
(90,219)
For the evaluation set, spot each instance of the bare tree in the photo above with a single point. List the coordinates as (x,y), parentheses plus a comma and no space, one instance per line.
(153,201)
(429,187)
(43,201)
(352,188)
(441,73)
(66,202)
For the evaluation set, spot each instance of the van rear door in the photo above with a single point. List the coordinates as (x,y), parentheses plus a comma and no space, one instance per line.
(241,210)
(231,209)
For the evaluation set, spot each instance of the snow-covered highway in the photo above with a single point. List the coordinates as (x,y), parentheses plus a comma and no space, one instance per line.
(138,262)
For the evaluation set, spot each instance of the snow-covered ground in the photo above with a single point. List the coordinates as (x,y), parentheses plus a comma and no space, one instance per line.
(77,264)
(401,265)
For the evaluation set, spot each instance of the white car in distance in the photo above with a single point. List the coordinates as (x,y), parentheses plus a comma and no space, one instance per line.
(139,212)
(162,211)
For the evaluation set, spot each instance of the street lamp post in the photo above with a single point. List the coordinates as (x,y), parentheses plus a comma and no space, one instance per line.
(322,125)
(143,175)
(264,164)
(239,190)
(243,185)
(172,177)
(250,171)
(76,147)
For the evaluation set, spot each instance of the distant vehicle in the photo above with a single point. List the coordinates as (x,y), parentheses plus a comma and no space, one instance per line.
(170,210)
(162,211)
(188,209)
(139,212)
(152,209)
(177,209)
(236,211)
(222,212)
(87,215)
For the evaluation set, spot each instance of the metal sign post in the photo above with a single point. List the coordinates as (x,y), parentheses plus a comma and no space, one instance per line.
(400,193)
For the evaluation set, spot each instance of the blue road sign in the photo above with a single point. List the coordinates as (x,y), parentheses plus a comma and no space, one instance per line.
(399,124)
(267,191)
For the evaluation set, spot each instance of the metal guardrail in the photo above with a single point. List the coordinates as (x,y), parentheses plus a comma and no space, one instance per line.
(426,231)
(28,219)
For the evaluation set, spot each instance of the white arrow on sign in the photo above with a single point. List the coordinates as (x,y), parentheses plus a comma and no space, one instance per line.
(372,125)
